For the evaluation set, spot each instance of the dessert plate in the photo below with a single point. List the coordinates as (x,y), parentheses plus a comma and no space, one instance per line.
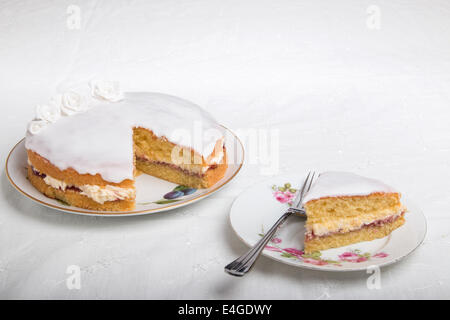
(256,210)
(152,194)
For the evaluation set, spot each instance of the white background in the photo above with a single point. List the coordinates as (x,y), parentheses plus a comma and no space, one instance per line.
(343,95)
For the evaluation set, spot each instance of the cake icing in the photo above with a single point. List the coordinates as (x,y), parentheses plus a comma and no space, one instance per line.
(97,136)
(336,184)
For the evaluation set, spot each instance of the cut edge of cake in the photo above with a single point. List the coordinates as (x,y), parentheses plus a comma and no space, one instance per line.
(92,192)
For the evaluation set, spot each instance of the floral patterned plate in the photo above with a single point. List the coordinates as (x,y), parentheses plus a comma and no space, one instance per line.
(152,194)
(257,209)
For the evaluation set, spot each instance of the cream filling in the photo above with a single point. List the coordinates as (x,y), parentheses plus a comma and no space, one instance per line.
(99,194)
(198,169)
(107,193)
(202,169)
(348,224)
(55,183)
(112,193)
(216,160)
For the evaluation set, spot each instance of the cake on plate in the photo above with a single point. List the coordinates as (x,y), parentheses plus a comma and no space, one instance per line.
(86,145)
(344,208)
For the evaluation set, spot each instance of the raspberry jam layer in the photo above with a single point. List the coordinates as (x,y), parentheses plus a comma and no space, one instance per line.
(173,166)
(43,176)
(376,223)
(37,173)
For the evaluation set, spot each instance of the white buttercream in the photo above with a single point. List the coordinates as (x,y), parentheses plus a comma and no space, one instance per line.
(215,160)
(100,194)
(106,193)
(55,183)
(349,224)
(335,184)
(99,141)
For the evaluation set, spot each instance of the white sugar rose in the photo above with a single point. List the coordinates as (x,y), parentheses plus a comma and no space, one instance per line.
(72,103)
(36,126)
(48,112)
(106,90)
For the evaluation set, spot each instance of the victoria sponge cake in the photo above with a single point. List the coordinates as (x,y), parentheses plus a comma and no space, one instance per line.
(344,208)
(86,145)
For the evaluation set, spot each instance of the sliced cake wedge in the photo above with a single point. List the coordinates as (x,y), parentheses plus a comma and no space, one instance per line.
(344,208)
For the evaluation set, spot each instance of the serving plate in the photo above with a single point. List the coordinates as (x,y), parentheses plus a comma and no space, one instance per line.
(256,210)
(150,191)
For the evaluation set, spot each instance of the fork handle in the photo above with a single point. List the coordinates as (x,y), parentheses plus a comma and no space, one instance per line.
(244,263)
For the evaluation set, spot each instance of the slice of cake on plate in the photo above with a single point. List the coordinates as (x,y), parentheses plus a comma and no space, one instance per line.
(86,145)
(344,208)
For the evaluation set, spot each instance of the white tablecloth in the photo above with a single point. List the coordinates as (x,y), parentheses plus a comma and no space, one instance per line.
(350,85)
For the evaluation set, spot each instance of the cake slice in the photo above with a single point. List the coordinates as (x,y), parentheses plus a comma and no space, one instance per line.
(344,208)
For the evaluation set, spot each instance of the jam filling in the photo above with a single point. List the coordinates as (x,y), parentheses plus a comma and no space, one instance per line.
(43,176)
(377,223)
(37,173)
(173,166)
(73,188)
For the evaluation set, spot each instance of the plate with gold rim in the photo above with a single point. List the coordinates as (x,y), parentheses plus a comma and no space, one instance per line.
(255,210)
(152,194)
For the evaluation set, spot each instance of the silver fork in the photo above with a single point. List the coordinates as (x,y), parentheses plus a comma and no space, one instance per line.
(244,263)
